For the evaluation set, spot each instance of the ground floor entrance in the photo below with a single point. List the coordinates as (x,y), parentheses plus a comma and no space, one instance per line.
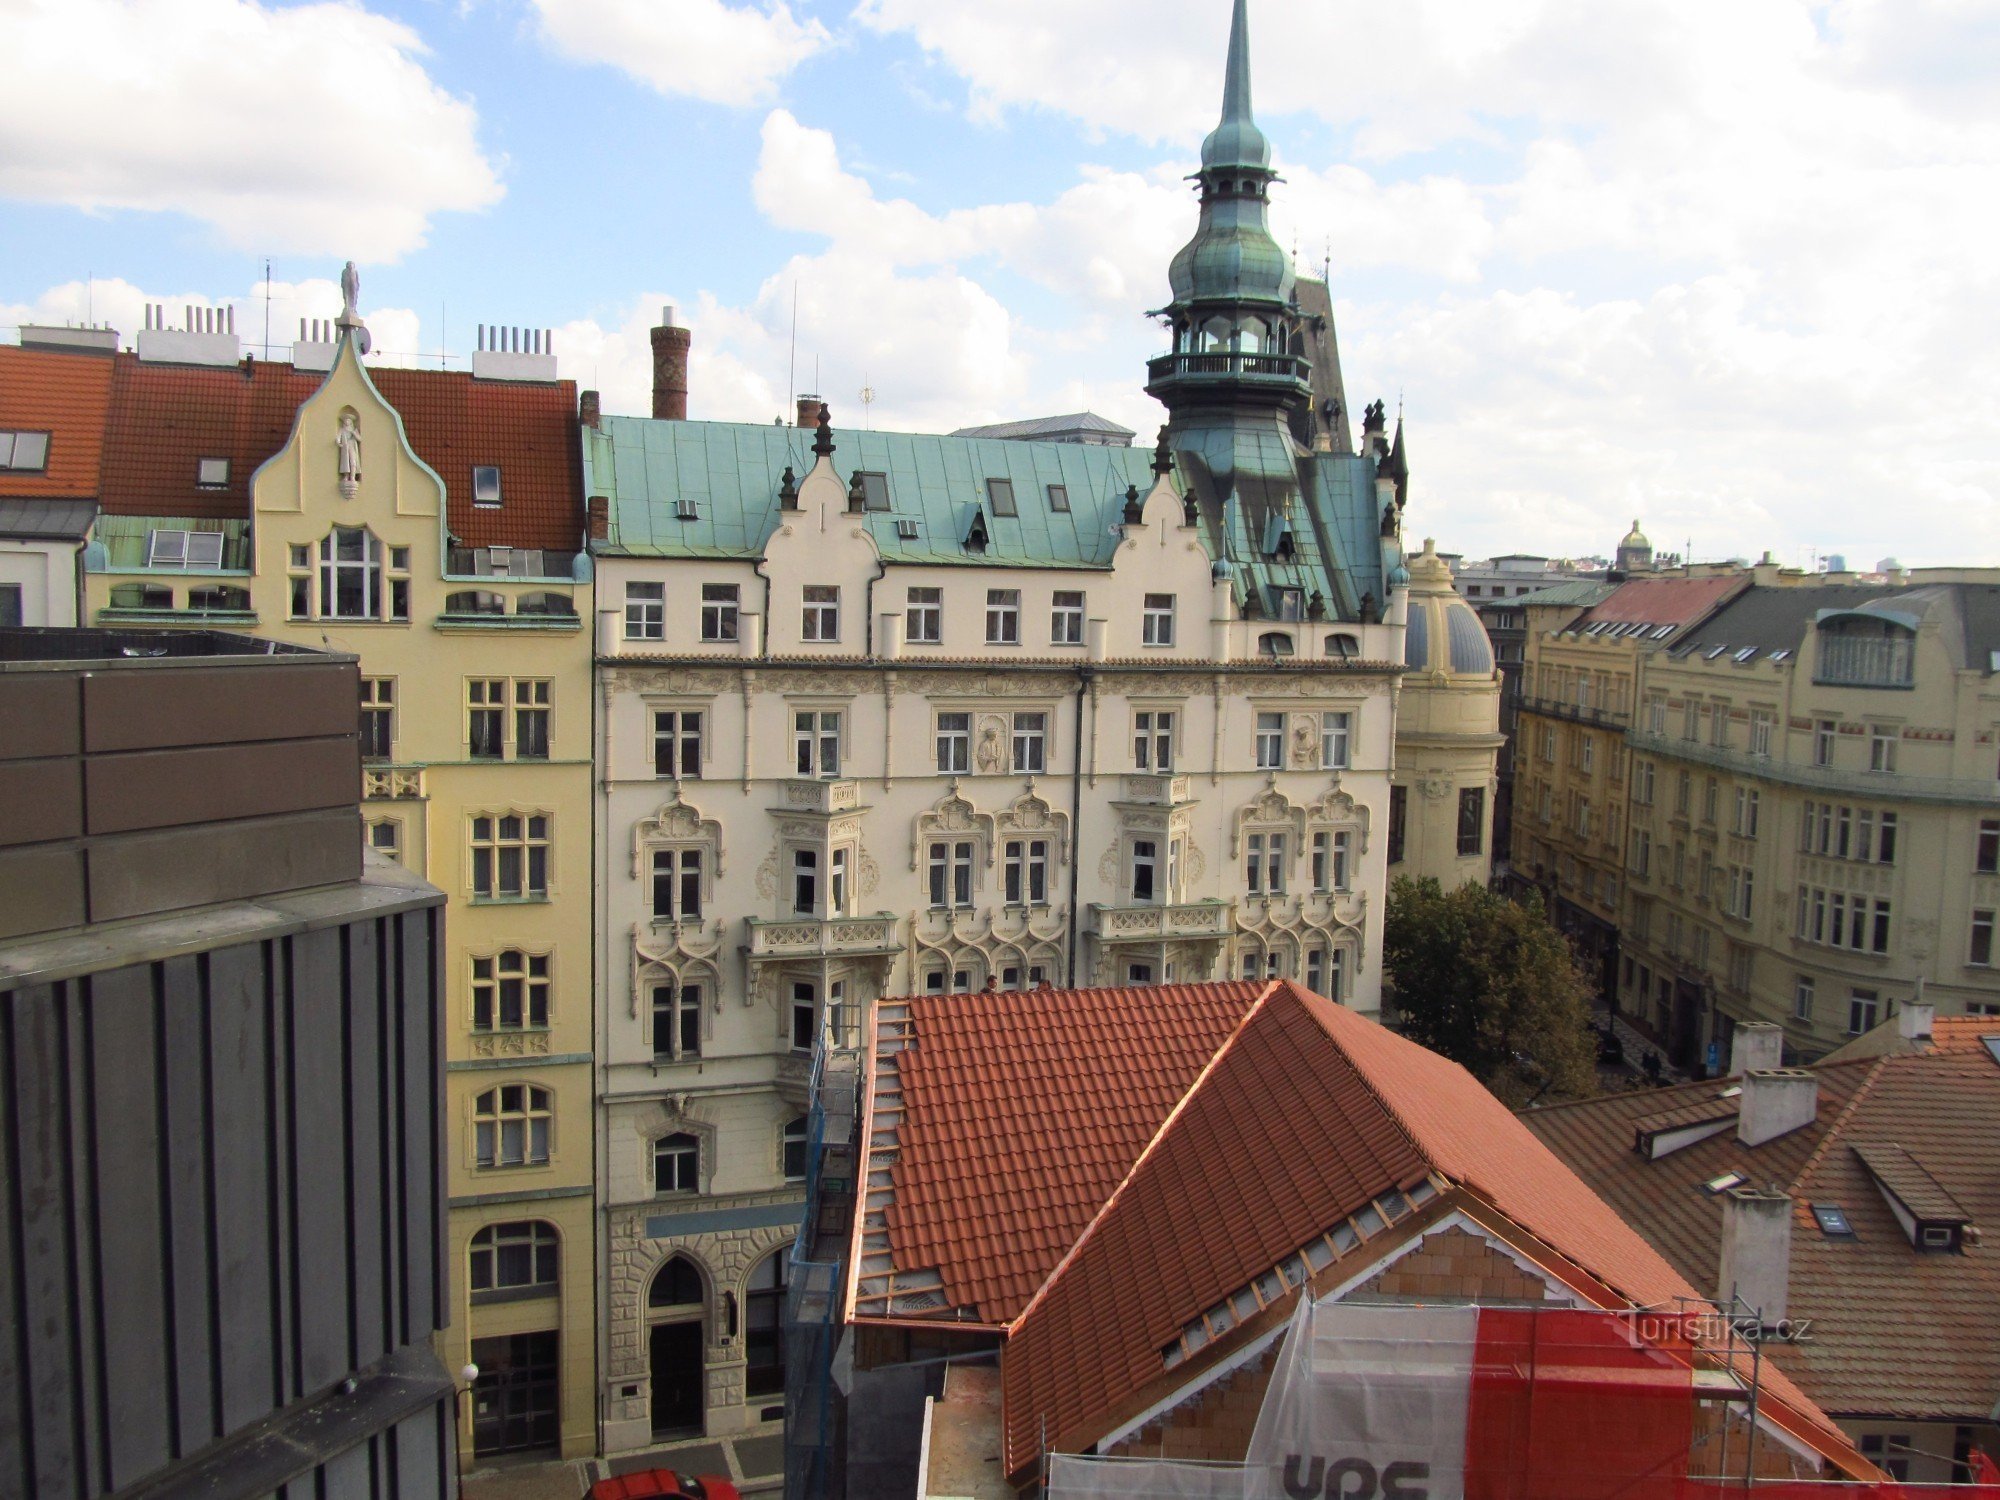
(517,1399)
(677,1378)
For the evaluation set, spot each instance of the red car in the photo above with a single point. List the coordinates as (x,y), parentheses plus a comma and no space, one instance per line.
(663,1484)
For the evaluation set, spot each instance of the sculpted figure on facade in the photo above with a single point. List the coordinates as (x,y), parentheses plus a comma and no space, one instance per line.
(347,453)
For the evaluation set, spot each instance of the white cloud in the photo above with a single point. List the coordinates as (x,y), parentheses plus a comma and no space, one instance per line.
(312,128)
(702,49)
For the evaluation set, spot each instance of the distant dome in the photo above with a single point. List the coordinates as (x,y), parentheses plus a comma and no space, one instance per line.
(1635,537)
(1442,633)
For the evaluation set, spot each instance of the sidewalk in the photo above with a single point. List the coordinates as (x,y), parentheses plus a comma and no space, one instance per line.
(1637,1044)
(755,1463)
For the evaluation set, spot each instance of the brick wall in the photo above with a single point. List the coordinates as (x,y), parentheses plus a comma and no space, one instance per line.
(1456,1266)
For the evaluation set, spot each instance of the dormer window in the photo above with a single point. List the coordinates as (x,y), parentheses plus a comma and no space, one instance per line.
(486,485)
(1287,603)
(874,490)
(1000,495)
(211,473)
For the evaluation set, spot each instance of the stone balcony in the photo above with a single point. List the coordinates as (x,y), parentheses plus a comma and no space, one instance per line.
(1159,791)
(1161,922)
(835,937)
(821,798)
(381,782)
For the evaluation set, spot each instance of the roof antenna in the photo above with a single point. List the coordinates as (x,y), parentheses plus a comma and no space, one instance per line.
(267,307)
(867,401)
(792,370)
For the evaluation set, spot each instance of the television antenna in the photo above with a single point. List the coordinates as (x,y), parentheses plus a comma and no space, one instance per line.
(867,401)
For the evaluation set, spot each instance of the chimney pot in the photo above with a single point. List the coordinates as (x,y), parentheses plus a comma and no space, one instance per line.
(1756,1252)
(808,411)
(1915,1020)
(670,368)
(1775,1102)
(1756,1044)
(588,408)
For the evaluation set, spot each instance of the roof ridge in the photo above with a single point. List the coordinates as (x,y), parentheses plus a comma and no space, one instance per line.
(1834,1127)
(1069,1256)
(1367,1082)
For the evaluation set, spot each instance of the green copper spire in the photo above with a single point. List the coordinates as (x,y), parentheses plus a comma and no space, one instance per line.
(1236,141)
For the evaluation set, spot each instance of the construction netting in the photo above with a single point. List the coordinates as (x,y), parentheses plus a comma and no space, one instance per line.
(1378,1402)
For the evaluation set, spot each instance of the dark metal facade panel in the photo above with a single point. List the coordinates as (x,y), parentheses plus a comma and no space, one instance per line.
(39,800)
(220,705)
(235,1155)
(45,889)
(43,714)
(217,783)
(171,869)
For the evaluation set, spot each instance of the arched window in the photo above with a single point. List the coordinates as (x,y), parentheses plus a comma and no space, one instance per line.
(544,603)
(219,596)
(1863,652)
(475,602)
(795,1149)
(1274,643)
(764,1323)
(675,1284)
(141,596)
(511,1126)
(676,1164)
(1342,647)
(514,1257)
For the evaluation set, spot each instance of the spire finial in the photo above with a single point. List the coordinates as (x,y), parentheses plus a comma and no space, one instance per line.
(1236,77)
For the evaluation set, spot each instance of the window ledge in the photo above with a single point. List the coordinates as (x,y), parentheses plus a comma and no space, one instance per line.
(509,1030)
(541,900)
(451,623)
(536,1293)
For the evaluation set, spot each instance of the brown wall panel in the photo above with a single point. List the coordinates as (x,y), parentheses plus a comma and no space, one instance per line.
(167,871)
(41,889)
(220,705)
(40,800)
(170,788)
(40,714)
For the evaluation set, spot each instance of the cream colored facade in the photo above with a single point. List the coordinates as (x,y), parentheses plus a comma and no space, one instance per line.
(838,854)
(1447,735)
(1816,832)
(351,555)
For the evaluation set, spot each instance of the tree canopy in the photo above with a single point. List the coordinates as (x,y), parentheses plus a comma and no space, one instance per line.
(1492,985)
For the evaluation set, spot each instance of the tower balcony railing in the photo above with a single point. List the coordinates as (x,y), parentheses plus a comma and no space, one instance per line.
(1286,369)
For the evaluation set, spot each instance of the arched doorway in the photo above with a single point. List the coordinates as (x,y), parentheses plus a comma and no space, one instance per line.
(676,1321)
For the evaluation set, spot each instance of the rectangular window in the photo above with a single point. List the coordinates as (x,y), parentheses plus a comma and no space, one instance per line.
(1270,741)
(531,718)
(816,742)
(1153,740)
(1760,732)
(805,882)
(1746,812)
(1030,740)
(1718,725)
(874,489)
(1288,604)
(1861,1008)
(954,743)
(951,872)
(385,836)
(1982,938)
(1471,819)
(1802,998)
(1986,856)
(1690,719)
(1003,617)
(923,616)
(645,611)
(1708,800)
(676,1020)
(821,619)
(1823,732)
(1882,748)
(1027,868)
(1642,783)
(1642,853)
(486,718)
(378,717)
(1335,733)
(1000,495)
(1157,620)
(718,611)
(1059,497)
(677,743)
(1399,812)
(1265,872)
(510,856)
(676,885)
(805,1015)
(24,450)
(1066,618)
(838,887)
(1145,870)
(1885,845)
(510,991)
(1330,860)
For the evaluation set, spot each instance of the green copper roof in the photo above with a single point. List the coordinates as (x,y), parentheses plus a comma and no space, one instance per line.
(1583,592)
(731,472)
(1236,141)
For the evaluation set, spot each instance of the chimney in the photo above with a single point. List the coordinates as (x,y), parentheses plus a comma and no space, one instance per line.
(588,408)
(808,414)
(670,368)
(1756,1045)
(600,516)
(1756,1251)
(1913,1021)
(1775,1102)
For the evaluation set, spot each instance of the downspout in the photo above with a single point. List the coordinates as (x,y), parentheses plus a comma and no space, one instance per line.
(1083,677)
(868,624)
(764,645)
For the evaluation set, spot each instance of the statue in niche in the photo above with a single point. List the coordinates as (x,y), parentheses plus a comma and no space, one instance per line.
(991,756)
(347,447)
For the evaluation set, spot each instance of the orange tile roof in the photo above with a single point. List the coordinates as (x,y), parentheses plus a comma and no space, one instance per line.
(65,395)
(1895,1331)
(165,418)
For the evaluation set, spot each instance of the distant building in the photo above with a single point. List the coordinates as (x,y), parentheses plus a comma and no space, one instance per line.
(55,391)
(1846,1202)
(1085,427)
(223,1067)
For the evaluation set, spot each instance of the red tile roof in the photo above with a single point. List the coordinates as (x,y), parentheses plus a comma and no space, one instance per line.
(1896,1331)
(165,418)
(1663,601)
(65,395)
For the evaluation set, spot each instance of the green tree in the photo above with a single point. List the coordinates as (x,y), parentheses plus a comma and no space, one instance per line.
(1492,985)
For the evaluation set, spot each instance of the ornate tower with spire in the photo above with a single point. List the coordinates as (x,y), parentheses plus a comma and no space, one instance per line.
(1286,512)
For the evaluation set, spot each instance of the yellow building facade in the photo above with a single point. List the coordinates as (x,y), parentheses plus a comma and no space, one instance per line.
(476,734)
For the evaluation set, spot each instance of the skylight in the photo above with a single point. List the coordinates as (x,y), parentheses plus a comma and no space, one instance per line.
(485,484)
(1745,654)
(1833,1220)
(1724,1183)
(1714,652)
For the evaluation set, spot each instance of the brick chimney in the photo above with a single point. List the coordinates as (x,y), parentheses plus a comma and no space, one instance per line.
(1775,1102)
(600,517)
(808,415)
(670,368)
(1756,1252)
(1756,1044)
(588,408)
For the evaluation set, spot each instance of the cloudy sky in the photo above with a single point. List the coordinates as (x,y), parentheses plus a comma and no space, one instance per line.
(1728,265)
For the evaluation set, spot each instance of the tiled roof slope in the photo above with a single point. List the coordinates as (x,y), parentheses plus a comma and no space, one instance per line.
(1948,1034)
(1895,1331)
(1662,601)
(165,418)
(65,395)
(1307,1113)
(1021,1113)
